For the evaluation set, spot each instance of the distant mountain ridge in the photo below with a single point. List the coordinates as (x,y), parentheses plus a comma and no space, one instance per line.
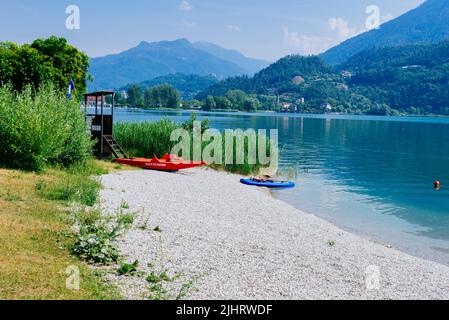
(399,57)
(429,23)
(150,60)
(251,66)
(413,78)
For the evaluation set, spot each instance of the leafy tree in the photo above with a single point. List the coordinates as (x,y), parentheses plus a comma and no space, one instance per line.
(119,98)
(22,65)
(251,104)
(162,96)
(51,59)
(187,85)
(135,96)
(66,62)
(237,98)
(223,103)
(209,104)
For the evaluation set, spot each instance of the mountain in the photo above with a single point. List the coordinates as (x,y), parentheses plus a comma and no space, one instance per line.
(187,85)
(412,79)
(429,23)
(398,57)
(151,60)
(251,66)
(287,73)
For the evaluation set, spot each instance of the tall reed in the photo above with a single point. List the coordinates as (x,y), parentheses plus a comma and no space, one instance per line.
(147,139)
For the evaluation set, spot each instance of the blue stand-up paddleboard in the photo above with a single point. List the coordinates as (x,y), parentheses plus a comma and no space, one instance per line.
(268,183)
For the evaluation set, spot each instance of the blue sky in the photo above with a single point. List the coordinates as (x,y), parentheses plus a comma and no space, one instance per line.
(267,29)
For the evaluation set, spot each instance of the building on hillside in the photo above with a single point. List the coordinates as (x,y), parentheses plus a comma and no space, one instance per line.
(346,74)
(342,86)
(298,80)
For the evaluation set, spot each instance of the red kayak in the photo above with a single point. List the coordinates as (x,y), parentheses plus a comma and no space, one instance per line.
(167,163)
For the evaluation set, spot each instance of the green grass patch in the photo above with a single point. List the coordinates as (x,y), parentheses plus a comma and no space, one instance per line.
(35,238)
(71,188)
(75,184)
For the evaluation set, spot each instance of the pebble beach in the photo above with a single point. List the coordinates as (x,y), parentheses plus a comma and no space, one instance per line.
(224,240)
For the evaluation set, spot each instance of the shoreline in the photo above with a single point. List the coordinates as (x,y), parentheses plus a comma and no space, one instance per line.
(236,242)
(271,112)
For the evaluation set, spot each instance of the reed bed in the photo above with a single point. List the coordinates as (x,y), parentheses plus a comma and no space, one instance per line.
(147,139)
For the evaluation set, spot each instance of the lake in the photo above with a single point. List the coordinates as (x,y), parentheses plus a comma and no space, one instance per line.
(370,175)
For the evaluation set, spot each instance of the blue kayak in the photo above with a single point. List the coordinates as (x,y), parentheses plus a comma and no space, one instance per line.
(268,183)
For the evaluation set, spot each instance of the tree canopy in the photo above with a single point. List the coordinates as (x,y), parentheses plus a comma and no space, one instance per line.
(51,59)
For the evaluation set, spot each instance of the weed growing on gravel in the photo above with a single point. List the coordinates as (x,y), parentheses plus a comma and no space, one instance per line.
(96,244)
(125,219)
(188,287)
(157,288)
(124,205)
(144,225)
(143,220)
(127,269)
(331,243)
(165,284)
(96,240)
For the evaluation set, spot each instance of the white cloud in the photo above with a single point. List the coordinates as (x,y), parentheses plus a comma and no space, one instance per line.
(184,6)
(302,44)
(341,30)
(342,27)
(233,27)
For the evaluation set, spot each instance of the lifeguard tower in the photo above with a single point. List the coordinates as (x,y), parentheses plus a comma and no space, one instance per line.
(100,119)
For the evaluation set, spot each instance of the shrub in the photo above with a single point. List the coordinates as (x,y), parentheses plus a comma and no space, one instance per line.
(41,128)
(96,244)
(96,240)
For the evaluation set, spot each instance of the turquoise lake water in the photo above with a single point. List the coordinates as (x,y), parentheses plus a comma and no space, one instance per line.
(371,175)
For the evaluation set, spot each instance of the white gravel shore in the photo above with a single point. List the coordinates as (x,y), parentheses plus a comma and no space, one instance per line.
(241,243)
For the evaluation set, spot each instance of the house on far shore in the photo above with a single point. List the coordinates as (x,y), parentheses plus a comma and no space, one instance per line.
(193,106)
(288,107)
(327,107)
